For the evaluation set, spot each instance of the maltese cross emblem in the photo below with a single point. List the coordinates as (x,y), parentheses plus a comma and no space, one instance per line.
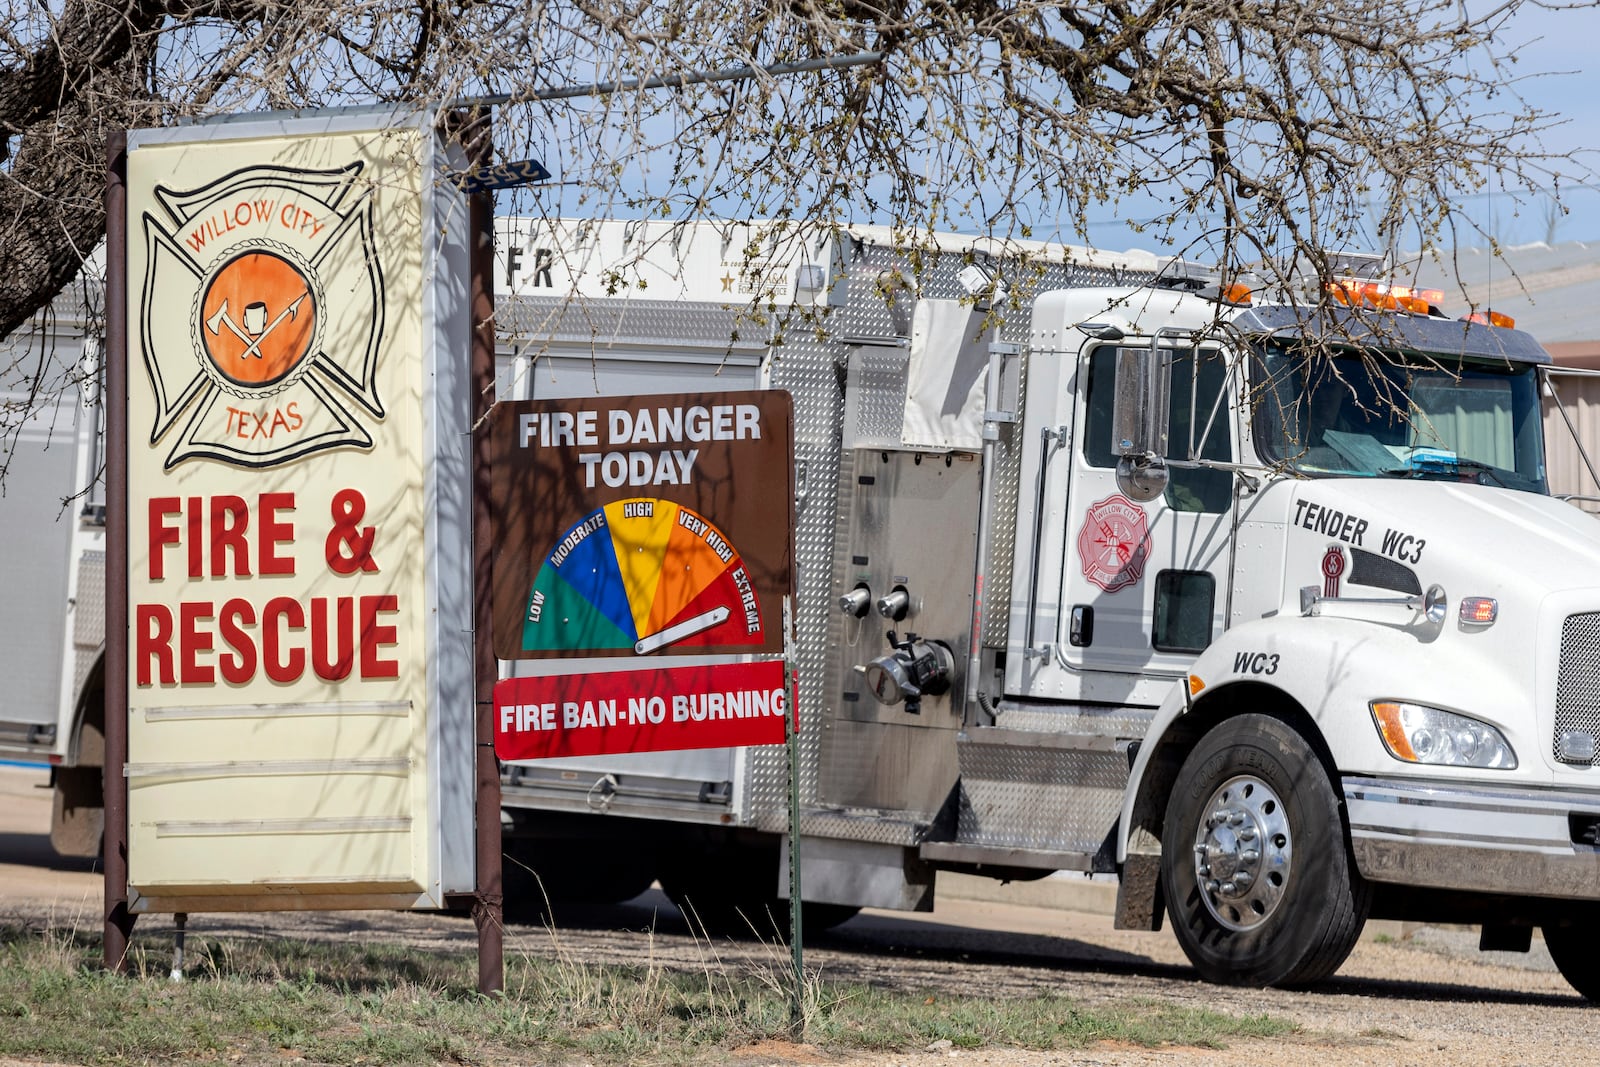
(263,316)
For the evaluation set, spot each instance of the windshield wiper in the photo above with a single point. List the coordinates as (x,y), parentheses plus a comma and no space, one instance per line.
(1482,470)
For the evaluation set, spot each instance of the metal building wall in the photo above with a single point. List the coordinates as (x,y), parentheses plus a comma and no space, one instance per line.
(1569,475)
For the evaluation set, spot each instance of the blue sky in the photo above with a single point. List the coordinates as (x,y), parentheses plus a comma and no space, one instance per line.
(1557,52)
(1555,72)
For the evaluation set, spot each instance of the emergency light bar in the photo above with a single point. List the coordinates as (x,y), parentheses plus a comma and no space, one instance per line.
(1384,295)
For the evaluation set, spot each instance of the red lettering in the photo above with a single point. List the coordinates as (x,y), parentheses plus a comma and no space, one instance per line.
(273,534)
(153,641)
(374,637)
(194,642)
(160,533)
(281,668)
(230,519)
(238,666)
(294,415)
(336,669)
(191,642)
(196,545)
(220,527)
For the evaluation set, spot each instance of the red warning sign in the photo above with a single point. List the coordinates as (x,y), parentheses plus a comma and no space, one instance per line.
(591,714)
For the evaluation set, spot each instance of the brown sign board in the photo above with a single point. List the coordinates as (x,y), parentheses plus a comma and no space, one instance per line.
(642,525)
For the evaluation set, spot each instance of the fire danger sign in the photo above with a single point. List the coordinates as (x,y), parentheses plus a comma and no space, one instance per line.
(642,526)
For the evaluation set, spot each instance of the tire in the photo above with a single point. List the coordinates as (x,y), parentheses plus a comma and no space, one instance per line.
(546,879)
(1575,946)
(733,893)
(1285,912)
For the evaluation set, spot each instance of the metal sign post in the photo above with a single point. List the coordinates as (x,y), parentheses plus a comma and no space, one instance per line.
(791,736)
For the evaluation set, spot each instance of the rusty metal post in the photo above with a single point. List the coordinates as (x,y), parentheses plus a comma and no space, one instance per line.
(114,787)
(488,910)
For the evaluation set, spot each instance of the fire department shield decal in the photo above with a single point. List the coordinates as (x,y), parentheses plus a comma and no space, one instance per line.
(1113,543)
(263,316)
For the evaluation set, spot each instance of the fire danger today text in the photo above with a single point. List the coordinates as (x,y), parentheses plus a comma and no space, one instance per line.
(635,442)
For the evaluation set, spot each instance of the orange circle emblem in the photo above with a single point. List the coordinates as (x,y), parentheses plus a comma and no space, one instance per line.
(258,319)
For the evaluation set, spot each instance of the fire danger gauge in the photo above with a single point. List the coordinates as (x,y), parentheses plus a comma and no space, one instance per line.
(641,575)
(642,526)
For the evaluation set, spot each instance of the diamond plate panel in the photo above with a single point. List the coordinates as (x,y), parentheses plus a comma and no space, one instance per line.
(1046,799)
(878,827)
(88,617)
(807,370)
(630,322)
(877,402)
(1004,495)
(89,620)
(1578,683)
(1120,723)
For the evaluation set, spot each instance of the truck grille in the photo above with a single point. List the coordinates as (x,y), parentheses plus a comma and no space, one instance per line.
(1578,684)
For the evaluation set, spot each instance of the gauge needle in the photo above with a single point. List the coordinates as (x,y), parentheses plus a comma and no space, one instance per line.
(678,631)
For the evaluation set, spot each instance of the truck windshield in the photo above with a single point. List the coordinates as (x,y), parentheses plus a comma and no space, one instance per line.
(1384,414)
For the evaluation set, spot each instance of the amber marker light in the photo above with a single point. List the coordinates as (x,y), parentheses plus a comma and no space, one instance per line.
(1387,715)
(1195,685)
(1385,296)
(1492,318)
(1478,611)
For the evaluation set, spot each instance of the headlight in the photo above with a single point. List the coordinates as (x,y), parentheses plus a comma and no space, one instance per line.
(1419,734)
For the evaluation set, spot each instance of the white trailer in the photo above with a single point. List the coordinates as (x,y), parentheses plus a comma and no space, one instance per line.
(1111,578)
(52,527)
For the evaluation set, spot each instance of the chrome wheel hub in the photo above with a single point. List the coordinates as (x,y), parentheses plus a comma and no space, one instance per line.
(1242,852)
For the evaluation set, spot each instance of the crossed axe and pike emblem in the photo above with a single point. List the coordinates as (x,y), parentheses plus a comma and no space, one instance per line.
(256,328)
(253,350)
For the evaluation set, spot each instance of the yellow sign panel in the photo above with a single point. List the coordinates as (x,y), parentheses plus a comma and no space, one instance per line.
(300,668)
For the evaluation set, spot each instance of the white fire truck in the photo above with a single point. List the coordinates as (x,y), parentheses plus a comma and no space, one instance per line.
(1263,605)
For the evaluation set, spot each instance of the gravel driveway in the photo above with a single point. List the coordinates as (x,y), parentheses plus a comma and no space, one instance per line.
(1406,996)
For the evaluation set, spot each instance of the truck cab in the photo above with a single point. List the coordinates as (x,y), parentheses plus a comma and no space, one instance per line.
(1321,538)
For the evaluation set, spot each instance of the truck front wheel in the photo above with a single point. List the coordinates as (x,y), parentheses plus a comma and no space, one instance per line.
(1259,884)
(1574,944)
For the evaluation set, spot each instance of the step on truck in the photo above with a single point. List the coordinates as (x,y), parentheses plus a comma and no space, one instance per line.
(1260,603)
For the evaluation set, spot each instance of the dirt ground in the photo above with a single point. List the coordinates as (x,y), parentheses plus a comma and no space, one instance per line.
(1423,996)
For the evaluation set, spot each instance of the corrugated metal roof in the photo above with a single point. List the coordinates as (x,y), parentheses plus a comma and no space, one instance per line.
(1552,291)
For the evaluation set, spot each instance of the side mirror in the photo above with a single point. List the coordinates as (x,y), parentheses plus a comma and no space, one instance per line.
(1139,421)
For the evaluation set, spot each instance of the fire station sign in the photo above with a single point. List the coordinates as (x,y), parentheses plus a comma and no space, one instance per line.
(300,691)
(642,529)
